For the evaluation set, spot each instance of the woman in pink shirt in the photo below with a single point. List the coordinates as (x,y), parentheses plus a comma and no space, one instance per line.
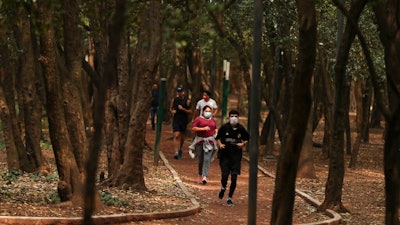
(204,143)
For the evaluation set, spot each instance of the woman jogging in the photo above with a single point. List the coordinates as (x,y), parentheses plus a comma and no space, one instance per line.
(204,143)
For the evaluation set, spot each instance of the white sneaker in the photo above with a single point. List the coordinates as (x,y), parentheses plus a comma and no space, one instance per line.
(192,155)
(204,181)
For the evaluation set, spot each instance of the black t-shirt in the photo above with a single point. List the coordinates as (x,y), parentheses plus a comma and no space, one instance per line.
(230,136)
(180,115)
(155,96)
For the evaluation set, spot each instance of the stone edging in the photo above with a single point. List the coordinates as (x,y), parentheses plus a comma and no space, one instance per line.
(115,218)
(335,217)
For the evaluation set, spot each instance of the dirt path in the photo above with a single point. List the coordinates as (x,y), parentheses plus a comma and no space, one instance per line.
(215,210)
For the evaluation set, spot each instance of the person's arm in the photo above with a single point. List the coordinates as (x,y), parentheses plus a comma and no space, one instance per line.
(220,145)
(242,144)
(171,108)
(218,138)
(196,113)
(215,111)
(187,108)
(245,136)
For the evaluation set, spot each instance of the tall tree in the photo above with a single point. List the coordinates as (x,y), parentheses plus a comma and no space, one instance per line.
(70,184)
(146,61)
(72,81)
(334,184)
(387,17)
(8,117)
(107,77)
(26,76)
(284,192)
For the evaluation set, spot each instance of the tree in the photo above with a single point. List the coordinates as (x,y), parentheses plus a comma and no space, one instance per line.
(334,184)
(283,199)
(106,78)
(70,185)
(146,61)
(24,82)
(386,12)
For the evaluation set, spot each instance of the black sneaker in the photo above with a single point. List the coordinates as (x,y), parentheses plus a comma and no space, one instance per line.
(221,193)
(229,202)
(176,155)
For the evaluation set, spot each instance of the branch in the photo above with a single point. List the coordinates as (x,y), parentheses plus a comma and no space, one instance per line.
(371,68)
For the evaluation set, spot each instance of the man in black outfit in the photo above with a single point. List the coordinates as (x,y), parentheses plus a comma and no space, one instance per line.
(154,105)
(180,109)
(231,139)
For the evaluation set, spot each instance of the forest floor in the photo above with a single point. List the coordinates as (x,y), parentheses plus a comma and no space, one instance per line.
(363,189)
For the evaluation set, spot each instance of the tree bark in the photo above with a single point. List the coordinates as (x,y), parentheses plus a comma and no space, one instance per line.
(70,185)
(7,115)
(387,16)
(7,128)
(334,184)
(72,83)
(306,167)
(146,62)
(284,192)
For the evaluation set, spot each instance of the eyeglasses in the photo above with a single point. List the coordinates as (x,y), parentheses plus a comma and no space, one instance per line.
(233,116)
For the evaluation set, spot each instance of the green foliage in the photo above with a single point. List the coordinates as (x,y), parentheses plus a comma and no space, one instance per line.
(11,176)
(53,198)
(107,199)
(46,145)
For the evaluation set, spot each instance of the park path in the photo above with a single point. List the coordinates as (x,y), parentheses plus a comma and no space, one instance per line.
(214,210)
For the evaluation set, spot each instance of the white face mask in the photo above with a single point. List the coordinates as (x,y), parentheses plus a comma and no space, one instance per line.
(233,120)
(207,115)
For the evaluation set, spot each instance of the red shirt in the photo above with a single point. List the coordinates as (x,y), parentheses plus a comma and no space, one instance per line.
(202,122)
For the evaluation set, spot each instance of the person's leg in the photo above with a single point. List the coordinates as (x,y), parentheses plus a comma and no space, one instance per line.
(177,138)
(200,159)
(153,117)
(232,187)
(207,162)
(181,141)
(153,114)
(224,177)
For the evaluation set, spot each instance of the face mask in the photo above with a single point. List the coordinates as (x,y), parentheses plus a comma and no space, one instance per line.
(207,115)
(233,120)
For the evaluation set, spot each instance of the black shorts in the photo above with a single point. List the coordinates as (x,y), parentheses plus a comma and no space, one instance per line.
(230,164)
(179,126)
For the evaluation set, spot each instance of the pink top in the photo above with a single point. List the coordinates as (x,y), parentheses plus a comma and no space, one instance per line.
(202,122)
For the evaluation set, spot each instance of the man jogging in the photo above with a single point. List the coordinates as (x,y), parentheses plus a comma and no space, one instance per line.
(231,139)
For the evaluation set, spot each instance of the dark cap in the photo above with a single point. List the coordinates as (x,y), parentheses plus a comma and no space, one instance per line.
(179,89)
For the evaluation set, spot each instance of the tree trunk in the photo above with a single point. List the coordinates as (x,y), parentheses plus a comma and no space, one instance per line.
(386,14)
(118,111)
(358,93)
(347,119)
(306,162)
(334,184)
(12,153)
(70,185)
(284,192)
(327,103)
(376,116)
(72,83)
(108,76)
(7,115)
(146,58)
